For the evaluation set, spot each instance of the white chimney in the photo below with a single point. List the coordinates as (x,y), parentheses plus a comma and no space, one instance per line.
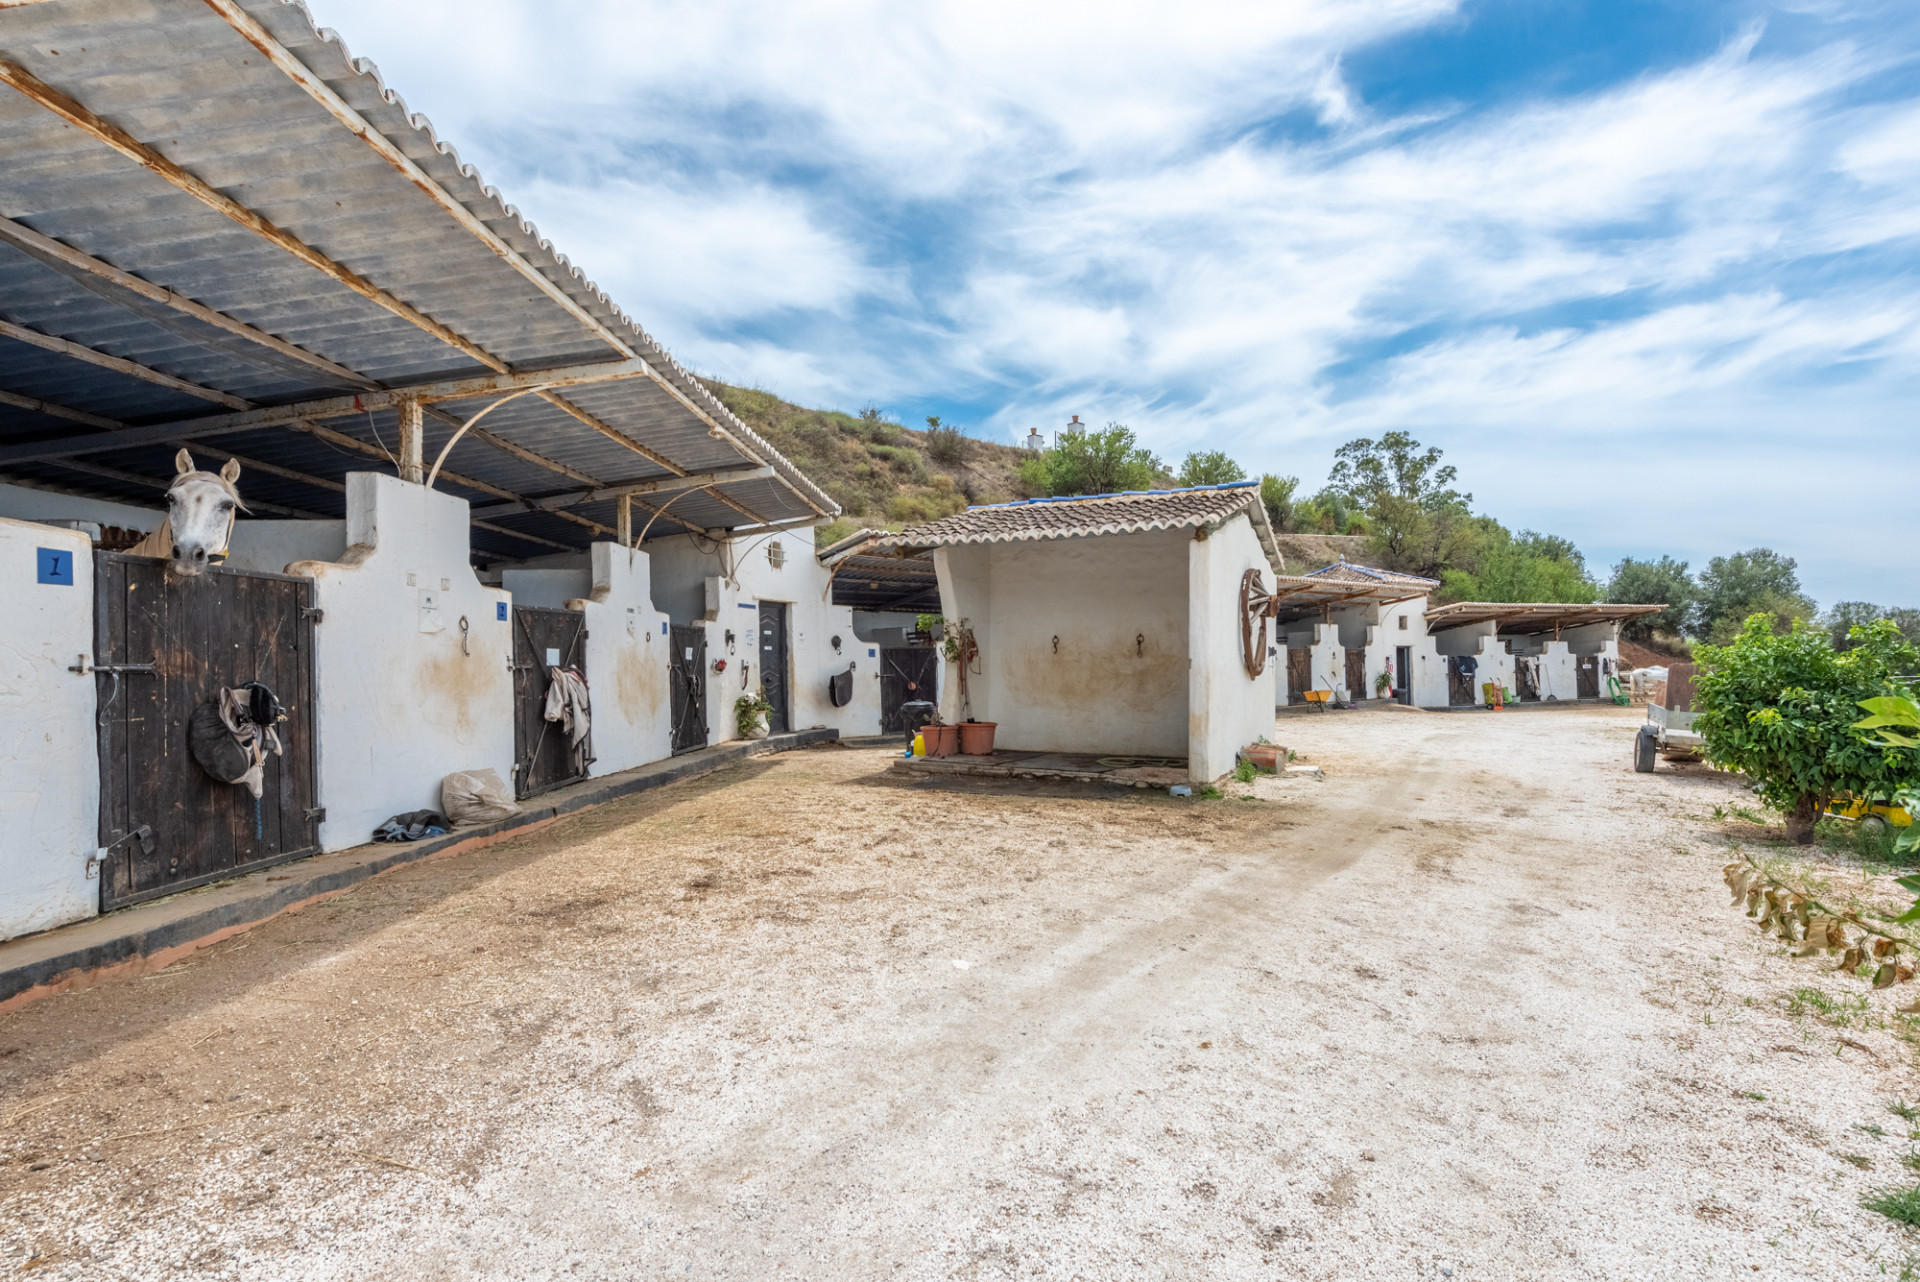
(1035,441)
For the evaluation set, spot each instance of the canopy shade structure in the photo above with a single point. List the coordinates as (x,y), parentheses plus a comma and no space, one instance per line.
(868,580)
(1297,597)
(217,229)
(1530,618)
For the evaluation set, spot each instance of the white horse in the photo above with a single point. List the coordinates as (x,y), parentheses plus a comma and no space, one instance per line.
(200,513)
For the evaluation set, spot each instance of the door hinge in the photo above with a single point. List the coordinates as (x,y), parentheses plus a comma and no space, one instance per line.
(313,612)
(143,834)
(316,815)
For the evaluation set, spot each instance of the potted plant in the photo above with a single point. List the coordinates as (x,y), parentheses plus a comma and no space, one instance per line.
(976,738)
(941,739)
(1383,685)
(750,715)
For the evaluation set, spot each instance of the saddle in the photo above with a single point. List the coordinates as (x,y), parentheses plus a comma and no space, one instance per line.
(840,688)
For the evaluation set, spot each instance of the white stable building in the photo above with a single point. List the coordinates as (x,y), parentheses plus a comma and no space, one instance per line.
(1379,623)
(464,467)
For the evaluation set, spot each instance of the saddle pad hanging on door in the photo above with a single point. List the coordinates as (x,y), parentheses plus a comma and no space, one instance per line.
(840,689)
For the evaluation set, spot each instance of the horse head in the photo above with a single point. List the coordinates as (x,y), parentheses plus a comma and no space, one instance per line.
(200,511)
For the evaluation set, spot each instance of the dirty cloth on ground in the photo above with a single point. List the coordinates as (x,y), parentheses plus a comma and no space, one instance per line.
(413,825)
(567,702)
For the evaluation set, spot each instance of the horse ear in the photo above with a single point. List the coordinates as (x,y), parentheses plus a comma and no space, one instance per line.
(183,462)
(231,472)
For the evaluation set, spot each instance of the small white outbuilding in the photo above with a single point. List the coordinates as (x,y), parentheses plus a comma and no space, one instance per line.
(1112,624)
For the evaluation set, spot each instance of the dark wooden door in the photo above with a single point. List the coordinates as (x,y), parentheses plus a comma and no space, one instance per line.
(544,758)
(773,666)
(907,674)
(1525,685)
(163,645)
(1299,675)
(687,688)
(1357,674)
(1459,683)
(1586,673)
(1403,674)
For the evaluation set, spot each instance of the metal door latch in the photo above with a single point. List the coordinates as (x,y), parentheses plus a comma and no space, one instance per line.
(143,834)
(86,666)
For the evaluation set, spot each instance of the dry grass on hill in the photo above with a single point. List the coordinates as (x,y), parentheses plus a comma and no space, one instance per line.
(880,473)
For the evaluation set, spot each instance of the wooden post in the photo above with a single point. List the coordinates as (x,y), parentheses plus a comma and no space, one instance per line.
(623,523)
(412,464)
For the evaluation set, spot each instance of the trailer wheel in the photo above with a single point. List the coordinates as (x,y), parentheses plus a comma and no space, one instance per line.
(1875,828)
(1645,745)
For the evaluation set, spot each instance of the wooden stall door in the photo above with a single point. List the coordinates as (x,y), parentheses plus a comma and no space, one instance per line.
(908,674)
(543,757)
(163,645)
(687,688)
(1587,674)
(1357,674)
(1524,684)
(1459,683)
(773,666)
(1299,675)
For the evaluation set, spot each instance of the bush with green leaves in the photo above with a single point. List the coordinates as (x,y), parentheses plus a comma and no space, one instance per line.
(1780,707)
(1210,467)
(747,711)
(1885,713)
(945,443)
(1105,461)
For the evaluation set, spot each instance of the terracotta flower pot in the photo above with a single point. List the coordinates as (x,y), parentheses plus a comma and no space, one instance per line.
(942,741)
(976,738)
(1265,756)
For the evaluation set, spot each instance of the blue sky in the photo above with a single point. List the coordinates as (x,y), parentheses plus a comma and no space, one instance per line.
(1646,271)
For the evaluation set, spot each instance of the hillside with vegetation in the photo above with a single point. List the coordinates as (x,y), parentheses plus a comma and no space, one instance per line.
(1389,502)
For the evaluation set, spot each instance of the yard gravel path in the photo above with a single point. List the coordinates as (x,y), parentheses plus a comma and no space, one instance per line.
(1471,1007)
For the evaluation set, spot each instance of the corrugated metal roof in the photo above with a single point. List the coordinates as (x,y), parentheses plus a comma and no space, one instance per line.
(1530,618)
(1347,572)
(1081,516)
(168,94)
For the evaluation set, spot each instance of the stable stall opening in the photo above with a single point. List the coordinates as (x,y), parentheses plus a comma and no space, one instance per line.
(687,687)
(545,755)
(908,674)
(1459,681)
(1586,672)
(165,645)
(1299,674)
(774,684)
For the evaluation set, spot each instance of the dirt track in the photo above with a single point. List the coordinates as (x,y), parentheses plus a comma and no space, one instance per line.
(1472,1004)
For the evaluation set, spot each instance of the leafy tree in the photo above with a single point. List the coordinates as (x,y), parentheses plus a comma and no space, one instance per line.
(1210,467)
(1519,567)
(1645,582)
(1901,711)
(1276,494)
(1414,515)
(1757,581)
(1846,615)
(1780,707)
(1093,462)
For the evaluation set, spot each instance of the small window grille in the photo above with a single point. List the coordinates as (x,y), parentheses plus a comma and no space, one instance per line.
(776,555)
(1403,623)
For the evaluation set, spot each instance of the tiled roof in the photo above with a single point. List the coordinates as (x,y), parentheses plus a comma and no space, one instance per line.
(1134,512)
(1344,572)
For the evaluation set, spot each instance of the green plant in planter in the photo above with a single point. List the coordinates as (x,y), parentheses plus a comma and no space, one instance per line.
(747,711)
(1381,684)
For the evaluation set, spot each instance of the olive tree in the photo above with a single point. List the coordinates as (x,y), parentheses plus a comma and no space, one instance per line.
(1781,708)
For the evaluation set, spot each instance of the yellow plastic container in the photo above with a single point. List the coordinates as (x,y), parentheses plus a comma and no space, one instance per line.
(919,745)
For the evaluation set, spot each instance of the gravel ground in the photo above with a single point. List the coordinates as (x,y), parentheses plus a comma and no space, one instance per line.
(1472,1007)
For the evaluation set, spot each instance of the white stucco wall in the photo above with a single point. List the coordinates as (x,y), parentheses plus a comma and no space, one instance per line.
(23,503)
(401,706)
(1101,690)
(269,547)
(1227,709)
(49,762)
(627,661)
(729,580)
(549,588)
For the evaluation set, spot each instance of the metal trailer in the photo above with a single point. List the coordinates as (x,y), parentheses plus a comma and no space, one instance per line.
(1667,733)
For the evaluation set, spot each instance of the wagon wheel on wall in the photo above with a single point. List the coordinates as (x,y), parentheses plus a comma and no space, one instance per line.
(1253,622)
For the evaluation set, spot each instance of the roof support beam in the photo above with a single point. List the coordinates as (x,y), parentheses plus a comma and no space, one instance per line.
(704,481)
(30,242)
(55,411)
(331,407)
(154,482)
(337,107)
(118,365)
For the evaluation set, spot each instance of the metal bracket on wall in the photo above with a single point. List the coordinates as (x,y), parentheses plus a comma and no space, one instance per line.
(143,834)
(313,612)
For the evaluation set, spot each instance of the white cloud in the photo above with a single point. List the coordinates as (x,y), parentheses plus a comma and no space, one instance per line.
(1075,209)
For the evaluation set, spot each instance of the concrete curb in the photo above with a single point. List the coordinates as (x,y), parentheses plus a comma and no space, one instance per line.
(151,936)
